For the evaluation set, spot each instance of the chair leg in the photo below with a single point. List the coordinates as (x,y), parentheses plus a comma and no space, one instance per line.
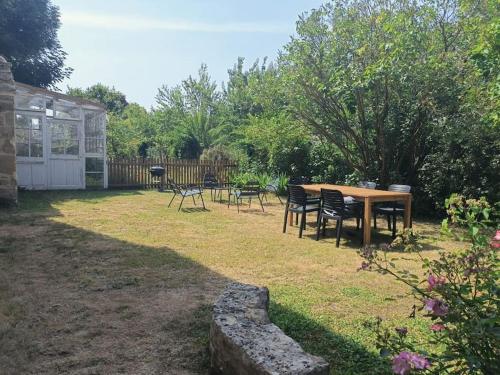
(279,198)
(261,205)
(357,223)
(249,202)
(194,201)
(324,226)
(171,200)
(374,220)
(394,226)
(202,201)
(388,222)
(286,218)
(362,229)
(339,229)
(238,204)
(305,220)
(318,226)
(182,200)
(302,223)
(296,218)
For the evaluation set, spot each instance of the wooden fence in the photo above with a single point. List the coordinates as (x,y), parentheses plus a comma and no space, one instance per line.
(134,173)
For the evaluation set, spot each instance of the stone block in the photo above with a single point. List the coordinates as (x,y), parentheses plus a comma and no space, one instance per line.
(243,341)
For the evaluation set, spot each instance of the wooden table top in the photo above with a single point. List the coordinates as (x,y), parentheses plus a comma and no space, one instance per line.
(357,192)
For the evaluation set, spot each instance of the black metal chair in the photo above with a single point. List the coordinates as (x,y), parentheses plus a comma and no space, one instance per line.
(300,203)
(302,180)
(249,191)
(185,191)
(216,188)
(393,210)
(333,207)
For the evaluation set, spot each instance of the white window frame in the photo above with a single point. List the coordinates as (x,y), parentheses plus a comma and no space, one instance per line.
(31,159)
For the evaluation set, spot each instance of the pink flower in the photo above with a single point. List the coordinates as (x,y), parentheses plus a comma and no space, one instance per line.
(435,281)
(495,241)
(436,307)
(402,331)
(404,362)
(437,327)
(364,266)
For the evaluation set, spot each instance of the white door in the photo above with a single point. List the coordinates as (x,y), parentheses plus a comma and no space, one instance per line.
(65,164)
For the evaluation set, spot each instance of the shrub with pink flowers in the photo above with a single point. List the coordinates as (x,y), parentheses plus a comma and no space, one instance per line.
(459,295)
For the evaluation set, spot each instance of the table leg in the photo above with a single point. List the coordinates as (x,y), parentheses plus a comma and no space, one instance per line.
(367,222)
(290,218)
(407,218)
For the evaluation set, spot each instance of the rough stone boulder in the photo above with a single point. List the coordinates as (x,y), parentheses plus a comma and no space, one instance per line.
(243,341)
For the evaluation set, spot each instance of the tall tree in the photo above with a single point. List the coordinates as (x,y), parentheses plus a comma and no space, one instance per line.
(371,76)
(191,113)
(28,39)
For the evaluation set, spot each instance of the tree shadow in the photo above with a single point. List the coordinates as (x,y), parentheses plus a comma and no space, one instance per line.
(74,301)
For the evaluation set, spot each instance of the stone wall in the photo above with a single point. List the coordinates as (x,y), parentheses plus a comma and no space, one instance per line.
(8,184)
(243,341)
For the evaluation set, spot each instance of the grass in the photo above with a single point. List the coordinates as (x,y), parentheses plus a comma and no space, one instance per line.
(117,282)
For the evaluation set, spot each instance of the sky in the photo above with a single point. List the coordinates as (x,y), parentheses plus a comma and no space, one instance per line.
(139,45)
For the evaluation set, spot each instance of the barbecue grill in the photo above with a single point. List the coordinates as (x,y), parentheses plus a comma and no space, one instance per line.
(157,174)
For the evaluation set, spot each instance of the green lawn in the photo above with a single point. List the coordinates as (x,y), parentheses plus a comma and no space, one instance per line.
(116,282)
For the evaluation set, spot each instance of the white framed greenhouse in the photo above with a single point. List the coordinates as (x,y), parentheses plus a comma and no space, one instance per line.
(60,140)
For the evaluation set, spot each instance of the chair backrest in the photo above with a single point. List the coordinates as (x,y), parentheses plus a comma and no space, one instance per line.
(333,200)
(297,195)
(400,188)
(171,184)
(209,180)
(299,180)
(251,186)
(367,184)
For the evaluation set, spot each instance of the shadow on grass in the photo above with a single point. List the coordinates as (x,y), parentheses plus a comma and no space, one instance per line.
(73,301)
(44,200)
(344,355)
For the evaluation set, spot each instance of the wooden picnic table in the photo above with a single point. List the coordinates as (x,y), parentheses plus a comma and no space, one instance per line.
(368,196)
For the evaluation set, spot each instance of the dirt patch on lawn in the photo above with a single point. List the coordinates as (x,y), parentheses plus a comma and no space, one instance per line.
(77,302)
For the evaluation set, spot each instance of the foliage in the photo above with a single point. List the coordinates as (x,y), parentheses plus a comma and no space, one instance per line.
(388,91)
(28,40)
(398,87)
(191,112)
(114,101)
(281,182)
(217,153)
(459,296)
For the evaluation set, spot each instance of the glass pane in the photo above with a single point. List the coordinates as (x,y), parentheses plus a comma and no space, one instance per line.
(94,165)
(49,108)
(22,149)
(36,150)
(57,146)
(94,145)
(29,102)
(36,135)
(94,124)
(64,138)
(23,121)
(22,135)
(67,112)
(94,180)
(72,147)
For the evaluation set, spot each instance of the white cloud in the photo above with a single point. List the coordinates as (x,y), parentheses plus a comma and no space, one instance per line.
(128,23)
